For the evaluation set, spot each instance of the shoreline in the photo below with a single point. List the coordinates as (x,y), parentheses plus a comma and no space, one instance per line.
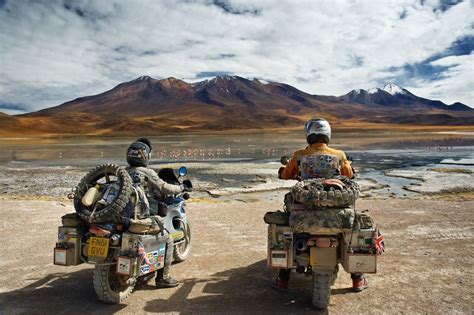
(337,128)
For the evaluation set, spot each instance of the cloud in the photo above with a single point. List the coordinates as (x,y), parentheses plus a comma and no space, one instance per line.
(13,109)
(451,88)
(54,51)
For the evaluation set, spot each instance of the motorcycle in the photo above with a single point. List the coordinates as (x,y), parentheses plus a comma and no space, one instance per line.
(318,231)
(123,251)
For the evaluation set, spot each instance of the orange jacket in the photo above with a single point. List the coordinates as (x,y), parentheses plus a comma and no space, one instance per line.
(293,171)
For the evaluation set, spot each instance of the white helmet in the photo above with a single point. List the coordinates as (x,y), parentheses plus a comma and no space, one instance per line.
(317,128)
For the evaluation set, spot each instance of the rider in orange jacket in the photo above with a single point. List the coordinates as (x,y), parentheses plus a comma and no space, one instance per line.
(318,161)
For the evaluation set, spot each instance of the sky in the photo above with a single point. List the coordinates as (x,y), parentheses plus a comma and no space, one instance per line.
(53,51)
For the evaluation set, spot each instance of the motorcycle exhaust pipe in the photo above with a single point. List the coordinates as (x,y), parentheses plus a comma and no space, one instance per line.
(301,245)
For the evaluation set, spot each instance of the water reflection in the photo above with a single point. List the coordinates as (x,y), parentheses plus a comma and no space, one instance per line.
(369,149)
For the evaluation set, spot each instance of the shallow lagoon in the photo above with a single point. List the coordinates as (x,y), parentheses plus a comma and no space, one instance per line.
(242,162)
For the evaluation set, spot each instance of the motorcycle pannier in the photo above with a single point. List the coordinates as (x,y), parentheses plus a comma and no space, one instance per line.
(280,246)
(68,251)
(148,250)
(361,259)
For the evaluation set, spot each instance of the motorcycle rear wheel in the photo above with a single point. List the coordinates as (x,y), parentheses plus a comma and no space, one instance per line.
(321,289)
(182,250)
(110,287)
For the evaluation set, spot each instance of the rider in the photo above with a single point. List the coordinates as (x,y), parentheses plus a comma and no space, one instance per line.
(138,157)
(318,161)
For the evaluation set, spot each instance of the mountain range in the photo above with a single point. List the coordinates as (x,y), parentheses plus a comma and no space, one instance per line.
(147,105)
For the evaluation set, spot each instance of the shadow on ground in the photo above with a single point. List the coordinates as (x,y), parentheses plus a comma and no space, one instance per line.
(54,294)
(239,290)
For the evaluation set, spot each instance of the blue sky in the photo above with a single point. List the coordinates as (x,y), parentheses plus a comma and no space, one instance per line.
(53,51)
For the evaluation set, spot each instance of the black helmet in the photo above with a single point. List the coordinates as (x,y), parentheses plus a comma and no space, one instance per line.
(139,153)
(145,141)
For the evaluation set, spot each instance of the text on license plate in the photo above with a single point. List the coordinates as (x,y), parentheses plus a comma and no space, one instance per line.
(98,246)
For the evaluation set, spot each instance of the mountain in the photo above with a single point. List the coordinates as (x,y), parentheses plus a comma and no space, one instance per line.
(392,95)
(147,105)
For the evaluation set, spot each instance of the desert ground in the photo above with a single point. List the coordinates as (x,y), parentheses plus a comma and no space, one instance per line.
(420,193)
(426,269)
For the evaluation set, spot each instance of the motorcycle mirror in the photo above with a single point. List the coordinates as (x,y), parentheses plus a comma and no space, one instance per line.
(285,159)
(182,171)
(350,158)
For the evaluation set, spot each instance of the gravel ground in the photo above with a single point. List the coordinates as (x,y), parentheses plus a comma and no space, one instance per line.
(427,268)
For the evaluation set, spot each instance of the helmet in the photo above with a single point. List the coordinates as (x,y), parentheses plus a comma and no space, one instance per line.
(145,141)
(139,153)
(317,129)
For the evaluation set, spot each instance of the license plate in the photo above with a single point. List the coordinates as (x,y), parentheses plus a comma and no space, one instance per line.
(98,246)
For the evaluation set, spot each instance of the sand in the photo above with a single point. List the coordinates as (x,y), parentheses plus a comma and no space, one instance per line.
(427,268)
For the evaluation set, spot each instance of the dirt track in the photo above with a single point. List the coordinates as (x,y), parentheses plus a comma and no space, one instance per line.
(426,269)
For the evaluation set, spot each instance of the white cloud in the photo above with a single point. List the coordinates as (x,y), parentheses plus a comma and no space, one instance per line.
(455,84)
(55,51)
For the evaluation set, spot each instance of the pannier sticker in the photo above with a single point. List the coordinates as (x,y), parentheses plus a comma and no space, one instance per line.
(153,257)
(60,256)
(279,258)
(61,236)
(162,248)
(144,269)
(124,265)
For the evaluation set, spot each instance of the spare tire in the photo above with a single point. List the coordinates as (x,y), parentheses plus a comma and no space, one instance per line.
(315,194)
(101,175)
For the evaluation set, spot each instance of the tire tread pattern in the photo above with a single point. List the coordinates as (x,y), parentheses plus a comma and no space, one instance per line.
(111,212)
(103,290)
(321,289)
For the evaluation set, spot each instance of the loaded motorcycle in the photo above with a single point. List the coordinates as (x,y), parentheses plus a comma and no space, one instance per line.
(319,230)
(105,230)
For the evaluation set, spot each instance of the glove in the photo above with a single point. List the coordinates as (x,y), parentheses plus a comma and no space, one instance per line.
(280,171)
(187,185)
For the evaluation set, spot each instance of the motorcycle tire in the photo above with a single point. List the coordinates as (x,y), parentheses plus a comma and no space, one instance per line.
(321,289)
(334,275)
(181,251)
(110,287)
(110,212)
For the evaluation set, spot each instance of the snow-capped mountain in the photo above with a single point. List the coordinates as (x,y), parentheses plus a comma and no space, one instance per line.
(148,105)
(394,89)
(392,95)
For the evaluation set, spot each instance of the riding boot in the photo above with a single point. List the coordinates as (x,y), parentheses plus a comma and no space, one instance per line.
(359,282)
(163,278)
(281,279)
